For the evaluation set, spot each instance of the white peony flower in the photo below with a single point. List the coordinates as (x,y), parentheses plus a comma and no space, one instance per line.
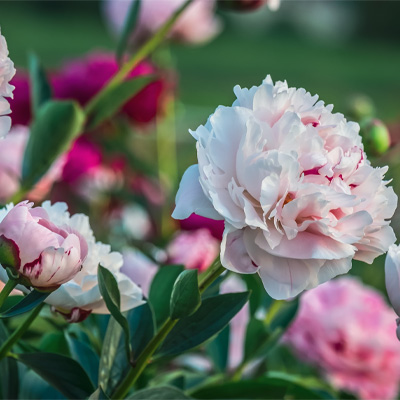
(7,71)
(290,179)
(80,296)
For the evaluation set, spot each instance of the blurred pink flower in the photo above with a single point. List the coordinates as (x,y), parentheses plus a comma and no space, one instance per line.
(195,221)
(21,102)
(47,252)
(12,149)
(195,249)
(7,71)
(197,24)
(348,330)
(81,79)
(392,280)
(293,185)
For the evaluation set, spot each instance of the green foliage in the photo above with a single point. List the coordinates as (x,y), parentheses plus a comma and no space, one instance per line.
(159,393)
(56,125)
(63,373)
(9,377)
(185,297)
(212,316)
(28,303)
(161,290)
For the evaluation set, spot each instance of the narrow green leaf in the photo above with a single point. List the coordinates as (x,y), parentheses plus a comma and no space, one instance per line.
(85,356)
(28,303)
(256,336)
(161,289)
(128,28)
(116,98)
(109,290)
(63,373)
(56,125)
(212,316)
(185,297)
(284,314)
(218,349)
(9,378)
(98,394)
(159,393)
(40,87)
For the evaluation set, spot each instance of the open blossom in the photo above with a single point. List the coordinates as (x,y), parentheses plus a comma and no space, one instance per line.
(48,250)
(7,71)
(392,280)
(347,330)
(80,295)
(193,249)
(290,179)
(12,149)
(197,24)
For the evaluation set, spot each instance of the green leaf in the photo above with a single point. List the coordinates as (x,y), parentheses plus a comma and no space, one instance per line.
(212,316)
(128,28)
(54,342)
(113,362)
(98,394)
(29,302)
(218,349)
(185,297)
(34,387)
(282,313)
(159,393)
(56,125)
(254,284)
(161,289)
(9,376)
(9,257)
(40,87)
(109,290)
(116,98)
(256,335)
(85,356)
(63,373)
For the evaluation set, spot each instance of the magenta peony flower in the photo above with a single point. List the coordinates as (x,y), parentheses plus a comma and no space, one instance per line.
(21,101)
(197,24)
(48,249)
(347,330)
(81,79)
(7,71)
(290,179)
(12,149)
(195,222)
(195,249)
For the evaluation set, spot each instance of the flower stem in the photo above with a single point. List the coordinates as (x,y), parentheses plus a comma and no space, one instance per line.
(141,54)
(8,288)
(122,390)
(17,334)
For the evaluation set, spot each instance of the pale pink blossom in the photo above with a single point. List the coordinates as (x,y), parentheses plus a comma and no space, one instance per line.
(290,179)
(197,24)
(7,71)
(47,253)
(392,280)
(348,331)
(12,149)
(193,249)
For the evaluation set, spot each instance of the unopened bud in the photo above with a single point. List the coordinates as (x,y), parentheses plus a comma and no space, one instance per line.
(360,107)
(376,137)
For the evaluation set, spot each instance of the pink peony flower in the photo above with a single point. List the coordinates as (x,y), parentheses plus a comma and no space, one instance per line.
(197,24)
(12,149)
(82,79)
(7,71)
(347,330)
(290,179)
(195,250)
(47,253)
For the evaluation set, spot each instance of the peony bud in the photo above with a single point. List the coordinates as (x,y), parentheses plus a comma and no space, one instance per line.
(360,107)
(376,137)
(392,276)
(44,250)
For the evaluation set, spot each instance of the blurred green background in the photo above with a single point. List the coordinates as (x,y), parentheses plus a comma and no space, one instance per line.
(334,48)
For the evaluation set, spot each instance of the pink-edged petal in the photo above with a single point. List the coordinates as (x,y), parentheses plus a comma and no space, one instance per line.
(191,198)
(392,276)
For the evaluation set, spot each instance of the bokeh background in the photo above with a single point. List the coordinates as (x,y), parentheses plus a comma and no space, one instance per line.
(338,49)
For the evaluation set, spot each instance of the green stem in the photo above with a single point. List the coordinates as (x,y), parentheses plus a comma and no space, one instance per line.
(145,357)
(8,288)
(141,54)
(17,334)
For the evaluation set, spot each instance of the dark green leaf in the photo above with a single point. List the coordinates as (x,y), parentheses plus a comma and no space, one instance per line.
(34,387)
(159,393)
(56,125)
(218,349)
(9,378)
(40,87)
(98,395)
(161,289)
(212,316)
(116,98)
(284,314)
(54,342)
(256,335)
(185,296)
(128,28)
(28,303)
(109,290)
(63,373)
(85,356)
(254,284)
